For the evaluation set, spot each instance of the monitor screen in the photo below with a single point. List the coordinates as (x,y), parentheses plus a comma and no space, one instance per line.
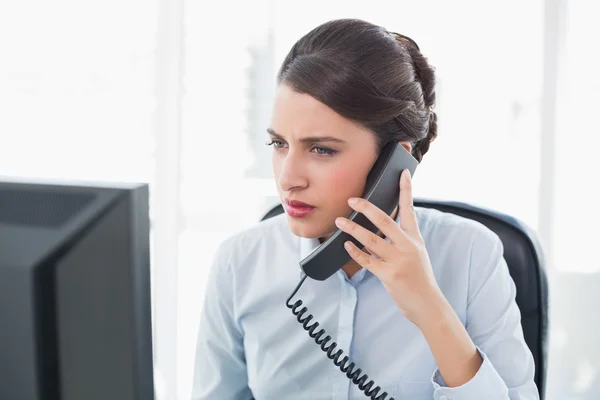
(75,301)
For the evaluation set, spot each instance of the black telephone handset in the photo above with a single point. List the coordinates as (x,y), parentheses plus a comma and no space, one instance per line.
(383,190)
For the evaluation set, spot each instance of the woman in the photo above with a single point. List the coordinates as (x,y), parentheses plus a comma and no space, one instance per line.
(426,309)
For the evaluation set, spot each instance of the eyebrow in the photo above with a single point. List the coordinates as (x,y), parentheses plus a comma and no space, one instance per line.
(310,139)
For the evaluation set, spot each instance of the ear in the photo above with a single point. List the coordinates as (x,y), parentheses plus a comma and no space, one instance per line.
(407,146)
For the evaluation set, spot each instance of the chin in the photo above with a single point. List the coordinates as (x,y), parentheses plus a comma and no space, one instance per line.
(307,229)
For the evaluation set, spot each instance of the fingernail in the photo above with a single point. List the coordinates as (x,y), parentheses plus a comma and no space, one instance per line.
(340,221)
(352,201)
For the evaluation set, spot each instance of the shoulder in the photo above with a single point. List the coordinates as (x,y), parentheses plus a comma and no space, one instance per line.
(441,229)
(463,252)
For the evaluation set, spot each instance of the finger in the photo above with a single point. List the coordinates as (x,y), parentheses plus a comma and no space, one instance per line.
(408,219)
(379,218)
(363,259)
(374,244)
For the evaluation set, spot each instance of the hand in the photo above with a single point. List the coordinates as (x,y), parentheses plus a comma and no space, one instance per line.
(402,265)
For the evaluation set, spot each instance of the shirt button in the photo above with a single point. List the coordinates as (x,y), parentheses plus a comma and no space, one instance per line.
(444,397)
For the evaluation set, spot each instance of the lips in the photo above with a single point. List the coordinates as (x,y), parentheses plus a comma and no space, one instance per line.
(298,209)
(296,203)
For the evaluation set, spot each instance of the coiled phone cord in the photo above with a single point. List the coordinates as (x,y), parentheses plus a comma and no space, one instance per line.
(352,374)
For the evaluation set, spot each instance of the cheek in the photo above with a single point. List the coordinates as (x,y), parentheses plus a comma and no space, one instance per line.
(345,183)
(276,166)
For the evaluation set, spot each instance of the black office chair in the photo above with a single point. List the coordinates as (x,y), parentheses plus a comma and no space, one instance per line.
(524,256)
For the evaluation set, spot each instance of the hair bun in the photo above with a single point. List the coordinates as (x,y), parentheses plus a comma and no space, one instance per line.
(422,146)
(425,75)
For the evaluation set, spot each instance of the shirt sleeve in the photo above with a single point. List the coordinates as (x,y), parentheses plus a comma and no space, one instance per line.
(493,322)
(220,366)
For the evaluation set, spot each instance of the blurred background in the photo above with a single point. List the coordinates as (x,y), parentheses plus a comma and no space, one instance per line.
(178,94)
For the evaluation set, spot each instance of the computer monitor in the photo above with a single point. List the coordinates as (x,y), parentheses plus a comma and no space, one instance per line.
(75,305)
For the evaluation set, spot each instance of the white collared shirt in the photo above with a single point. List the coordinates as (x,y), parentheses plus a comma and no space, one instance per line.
(250,345)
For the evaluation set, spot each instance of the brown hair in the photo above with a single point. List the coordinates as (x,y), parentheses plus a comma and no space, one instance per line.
(367,74)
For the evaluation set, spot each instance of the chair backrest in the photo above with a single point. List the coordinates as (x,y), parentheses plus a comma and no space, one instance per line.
(525,260)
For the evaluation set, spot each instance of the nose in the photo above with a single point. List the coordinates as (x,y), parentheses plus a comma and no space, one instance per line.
(292,174)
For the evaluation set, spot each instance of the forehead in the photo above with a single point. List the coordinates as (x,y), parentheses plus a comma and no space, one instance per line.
(299,114)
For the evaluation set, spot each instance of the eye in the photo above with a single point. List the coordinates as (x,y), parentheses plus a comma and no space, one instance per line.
(276,143)
(324,151)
